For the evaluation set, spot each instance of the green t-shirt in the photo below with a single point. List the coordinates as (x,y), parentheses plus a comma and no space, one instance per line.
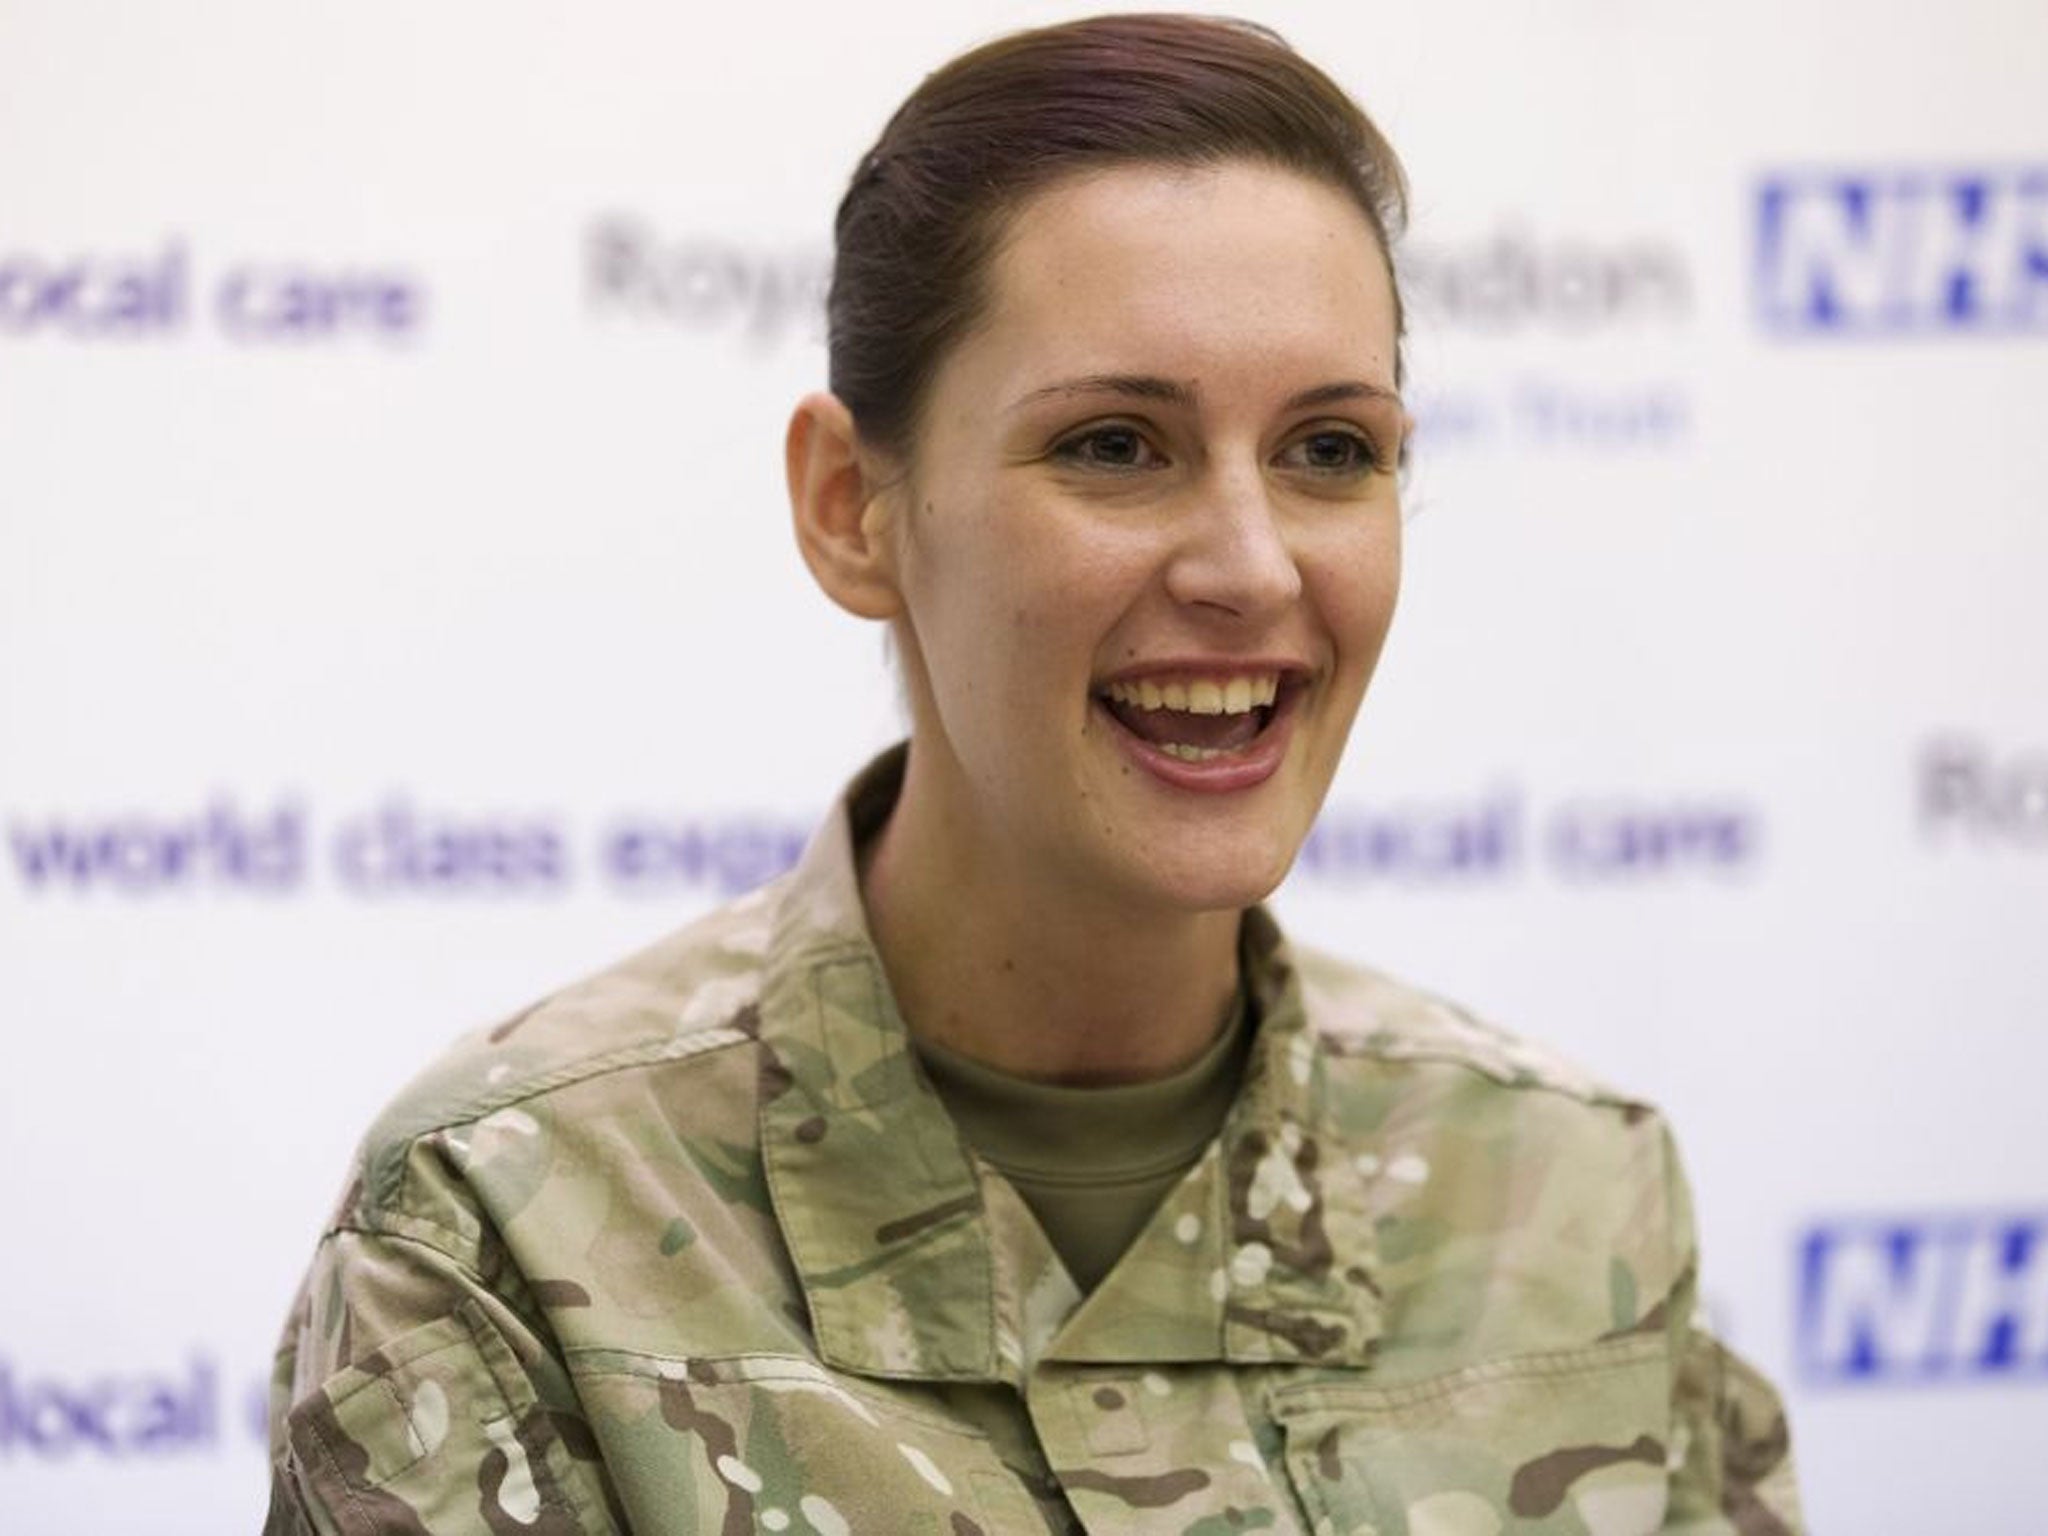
(1093,1163)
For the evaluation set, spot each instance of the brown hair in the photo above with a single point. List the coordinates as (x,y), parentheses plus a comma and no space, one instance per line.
(925,210)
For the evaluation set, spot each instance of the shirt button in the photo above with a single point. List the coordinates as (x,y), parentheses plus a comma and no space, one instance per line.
(1110,1420)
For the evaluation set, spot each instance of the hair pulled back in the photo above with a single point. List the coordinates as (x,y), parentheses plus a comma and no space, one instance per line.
(921,220)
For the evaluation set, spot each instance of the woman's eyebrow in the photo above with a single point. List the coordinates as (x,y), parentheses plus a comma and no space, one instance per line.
(1145,386)
(1343,390)
(1136,386)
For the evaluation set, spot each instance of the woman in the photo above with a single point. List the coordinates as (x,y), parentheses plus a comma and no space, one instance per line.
(1002,1169)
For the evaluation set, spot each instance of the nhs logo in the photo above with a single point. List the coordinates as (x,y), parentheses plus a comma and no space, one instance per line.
(1873,253)
(1935,1299)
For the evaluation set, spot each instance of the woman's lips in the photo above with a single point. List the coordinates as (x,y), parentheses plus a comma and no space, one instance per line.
(1208,734)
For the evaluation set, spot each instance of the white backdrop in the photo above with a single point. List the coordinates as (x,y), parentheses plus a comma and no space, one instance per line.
(398,617)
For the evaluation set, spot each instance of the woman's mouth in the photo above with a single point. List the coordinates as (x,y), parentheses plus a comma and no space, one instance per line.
(1204,730)
(1195,719)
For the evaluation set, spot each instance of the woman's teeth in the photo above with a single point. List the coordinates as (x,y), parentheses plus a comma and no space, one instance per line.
(1203,696)
(1196,720)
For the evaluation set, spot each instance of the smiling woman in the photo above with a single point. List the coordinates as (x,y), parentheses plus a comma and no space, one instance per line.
(1161,459)
(1003,1168)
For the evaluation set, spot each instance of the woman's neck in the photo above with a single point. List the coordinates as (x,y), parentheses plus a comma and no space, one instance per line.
(1033,979)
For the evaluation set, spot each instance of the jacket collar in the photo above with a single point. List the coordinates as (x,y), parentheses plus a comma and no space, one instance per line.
(916,1265)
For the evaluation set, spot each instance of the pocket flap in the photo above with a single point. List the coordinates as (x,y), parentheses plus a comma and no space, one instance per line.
(438,1431)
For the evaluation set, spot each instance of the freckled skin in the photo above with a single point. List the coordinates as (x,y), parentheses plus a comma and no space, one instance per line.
(1251,284)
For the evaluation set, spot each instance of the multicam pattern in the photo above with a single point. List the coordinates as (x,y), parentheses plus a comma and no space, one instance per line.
(693,1247)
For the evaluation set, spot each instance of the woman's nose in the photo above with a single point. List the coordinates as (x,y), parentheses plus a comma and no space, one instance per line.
(1232,553)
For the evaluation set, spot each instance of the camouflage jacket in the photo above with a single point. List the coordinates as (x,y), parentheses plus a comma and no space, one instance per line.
(692,1246)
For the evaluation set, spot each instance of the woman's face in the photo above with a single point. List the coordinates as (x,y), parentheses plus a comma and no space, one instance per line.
(1150,540)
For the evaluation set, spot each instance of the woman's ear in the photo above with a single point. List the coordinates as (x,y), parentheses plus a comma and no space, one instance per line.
(841,515)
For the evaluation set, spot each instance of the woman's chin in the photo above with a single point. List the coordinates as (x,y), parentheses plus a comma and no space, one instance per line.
(1198,878)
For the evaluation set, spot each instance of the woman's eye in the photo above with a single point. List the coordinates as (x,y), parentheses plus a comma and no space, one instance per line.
(1333,452)
(1109,447)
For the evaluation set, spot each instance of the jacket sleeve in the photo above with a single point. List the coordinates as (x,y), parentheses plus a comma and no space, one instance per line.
(1731,1448)
(417,1388)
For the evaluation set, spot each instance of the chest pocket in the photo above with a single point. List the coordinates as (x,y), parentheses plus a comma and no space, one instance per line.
(765,1442)
(1572,1443)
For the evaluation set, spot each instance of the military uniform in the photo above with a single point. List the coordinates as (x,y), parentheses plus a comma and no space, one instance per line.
(693,1246)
